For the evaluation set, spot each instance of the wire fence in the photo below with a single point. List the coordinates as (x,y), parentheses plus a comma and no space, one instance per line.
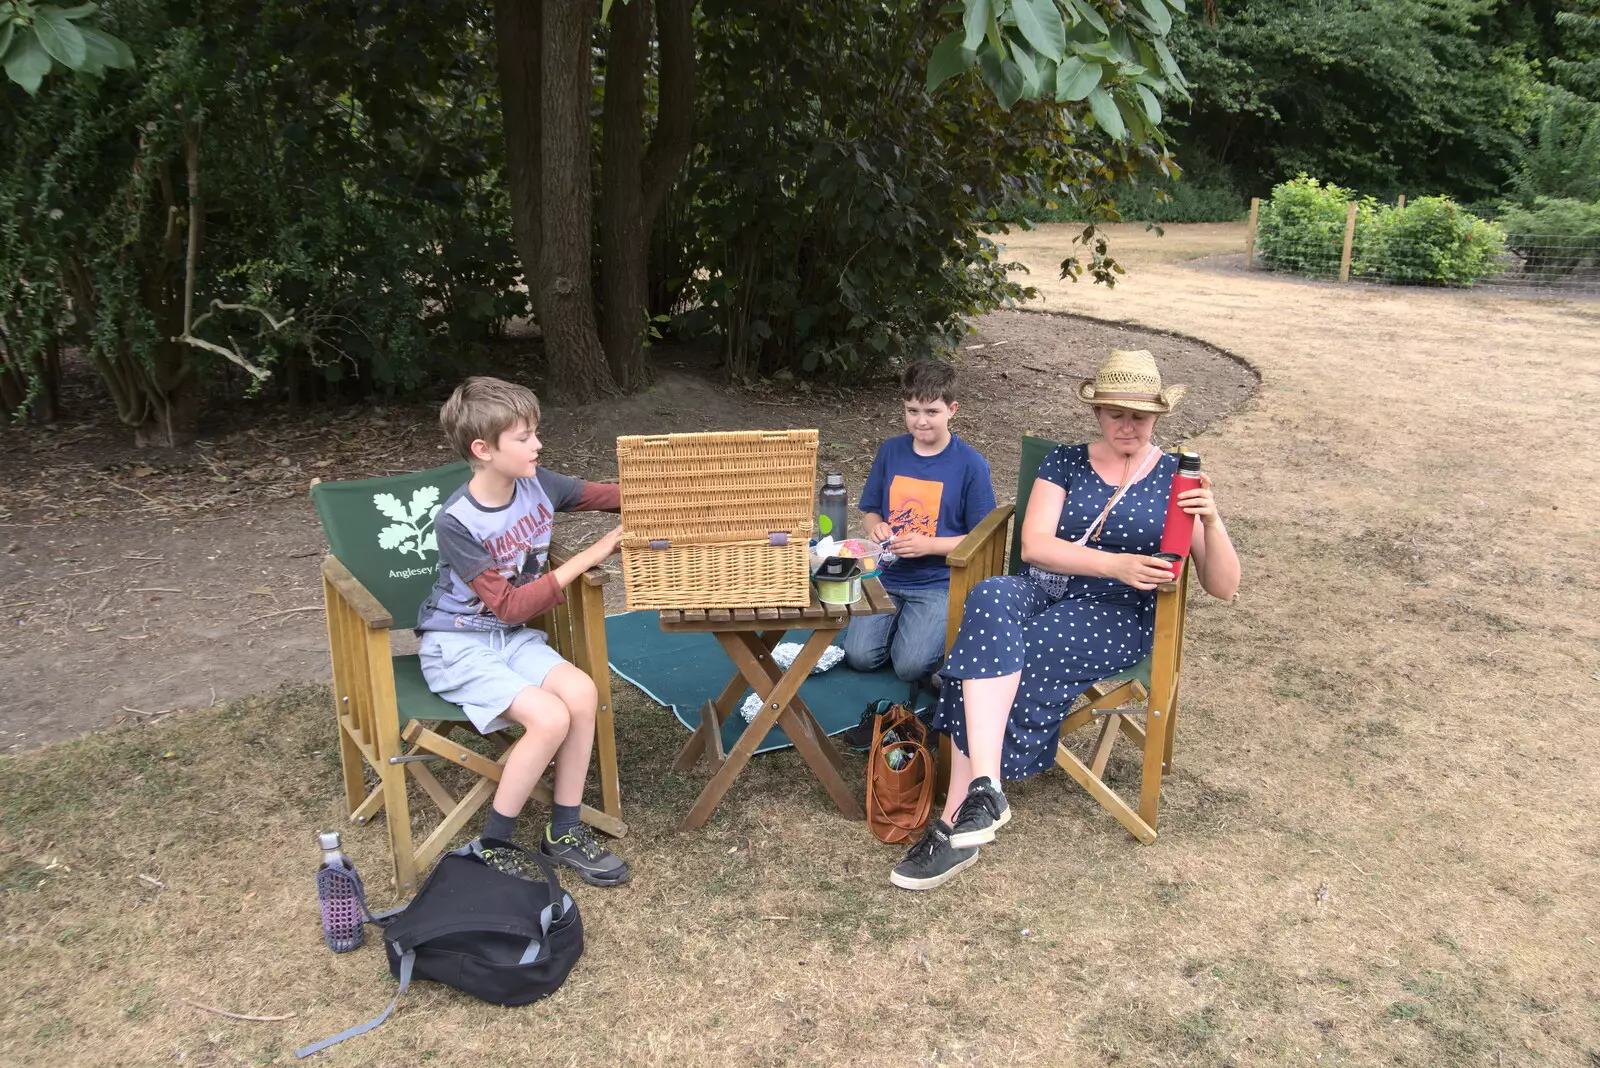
(1562,265)
(1556,264)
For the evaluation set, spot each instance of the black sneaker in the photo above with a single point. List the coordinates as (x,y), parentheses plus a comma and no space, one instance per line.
(859,738)
(983,812)
(932,861)
(579,850)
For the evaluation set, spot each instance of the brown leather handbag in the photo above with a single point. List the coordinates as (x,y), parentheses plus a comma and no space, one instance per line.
(899,800)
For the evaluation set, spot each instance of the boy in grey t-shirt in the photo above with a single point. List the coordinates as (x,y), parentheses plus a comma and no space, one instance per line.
(477,651)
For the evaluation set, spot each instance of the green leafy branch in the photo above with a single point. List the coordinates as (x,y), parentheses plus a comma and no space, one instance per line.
(35,39)
(1111,55)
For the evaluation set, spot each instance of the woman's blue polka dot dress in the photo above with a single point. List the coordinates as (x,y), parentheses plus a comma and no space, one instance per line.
(1100,627)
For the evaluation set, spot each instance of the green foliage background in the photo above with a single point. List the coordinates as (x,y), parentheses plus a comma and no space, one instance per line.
(843,211)
(365,202)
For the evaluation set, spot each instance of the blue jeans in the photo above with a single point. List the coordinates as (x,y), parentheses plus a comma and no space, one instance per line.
(912,638)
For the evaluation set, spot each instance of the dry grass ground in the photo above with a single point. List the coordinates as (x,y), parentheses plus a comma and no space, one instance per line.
(1377,848)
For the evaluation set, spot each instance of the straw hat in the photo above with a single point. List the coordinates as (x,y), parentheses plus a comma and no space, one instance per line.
(1129,379)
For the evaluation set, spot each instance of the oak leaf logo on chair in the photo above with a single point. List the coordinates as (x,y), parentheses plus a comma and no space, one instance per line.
(412,528)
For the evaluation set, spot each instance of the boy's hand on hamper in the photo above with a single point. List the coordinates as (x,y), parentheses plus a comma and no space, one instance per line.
(1140,572)
(609,543)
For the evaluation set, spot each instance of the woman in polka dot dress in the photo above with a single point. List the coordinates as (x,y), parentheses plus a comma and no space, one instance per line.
(1083,610)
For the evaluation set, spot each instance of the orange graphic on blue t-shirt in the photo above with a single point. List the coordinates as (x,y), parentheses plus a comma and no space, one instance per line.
(914,506)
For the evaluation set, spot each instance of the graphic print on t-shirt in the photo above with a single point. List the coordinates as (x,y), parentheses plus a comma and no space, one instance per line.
(914,505)
(528,535)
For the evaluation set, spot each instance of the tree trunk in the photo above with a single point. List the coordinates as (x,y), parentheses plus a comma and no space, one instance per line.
(575,364)
(623,252)
(171,411)
(674,133)
(633,190)
(518,48)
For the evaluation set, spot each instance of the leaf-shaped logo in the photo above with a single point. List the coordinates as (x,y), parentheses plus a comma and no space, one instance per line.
(423,500)
(390,505)
(412,528)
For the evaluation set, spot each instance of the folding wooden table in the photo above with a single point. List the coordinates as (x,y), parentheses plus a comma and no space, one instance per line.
(748,635)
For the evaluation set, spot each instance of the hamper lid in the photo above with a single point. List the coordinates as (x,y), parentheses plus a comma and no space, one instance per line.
(715,487)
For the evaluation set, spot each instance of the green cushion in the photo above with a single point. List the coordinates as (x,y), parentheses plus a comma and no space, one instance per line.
(382,530)
(415,700)
(1034,451)
(1139,671)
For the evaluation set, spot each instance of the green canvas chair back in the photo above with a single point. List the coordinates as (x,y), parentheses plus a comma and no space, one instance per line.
(382,530)
(1034,450)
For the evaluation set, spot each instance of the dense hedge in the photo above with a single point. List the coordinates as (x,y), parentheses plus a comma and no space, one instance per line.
(1554,235)
(1430,240)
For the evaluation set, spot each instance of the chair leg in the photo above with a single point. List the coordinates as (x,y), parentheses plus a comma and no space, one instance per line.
(350,765)
(1172,731)
(1106,796)
(397,818)
(1102,745)
(1155,748)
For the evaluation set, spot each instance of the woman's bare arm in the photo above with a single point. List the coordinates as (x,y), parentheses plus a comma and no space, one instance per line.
(1041,547)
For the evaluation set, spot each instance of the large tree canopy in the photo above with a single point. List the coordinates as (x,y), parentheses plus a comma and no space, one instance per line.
(1386,96)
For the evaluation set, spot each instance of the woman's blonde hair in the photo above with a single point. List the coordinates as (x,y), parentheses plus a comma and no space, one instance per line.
(484,408)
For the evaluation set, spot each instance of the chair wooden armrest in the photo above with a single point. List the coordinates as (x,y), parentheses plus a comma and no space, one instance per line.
(338,580)
(981,555)
(976,538)
(595,576)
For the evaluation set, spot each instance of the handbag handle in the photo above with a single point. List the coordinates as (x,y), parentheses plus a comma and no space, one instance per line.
(924,795)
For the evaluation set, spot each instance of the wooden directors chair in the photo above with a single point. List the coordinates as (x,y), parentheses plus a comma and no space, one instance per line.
(1152,683)
(383,563)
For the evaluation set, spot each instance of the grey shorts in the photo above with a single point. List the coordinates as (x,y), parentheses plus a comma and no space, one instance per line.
(483,671)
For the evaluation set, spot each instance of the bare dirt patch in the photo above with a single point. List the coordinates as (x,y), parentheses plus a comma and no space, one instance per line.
(1375,847)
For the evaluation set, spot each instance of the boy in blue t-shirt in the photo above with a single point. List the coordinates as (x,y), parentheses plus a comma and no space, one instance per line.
(926,490)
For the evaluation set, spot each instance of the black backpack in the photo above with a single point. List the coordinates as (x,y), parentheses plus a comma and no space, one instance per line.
(501,938)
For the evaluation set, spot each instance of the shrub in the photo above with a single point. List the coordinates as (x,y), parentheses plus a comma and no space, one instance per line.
(1431,239)
(1554,236)
(1434,239)
(1301,228)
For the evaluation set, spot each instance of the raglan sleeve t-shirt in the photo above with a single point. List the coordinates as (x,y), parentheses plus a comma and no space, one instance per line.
(492,561)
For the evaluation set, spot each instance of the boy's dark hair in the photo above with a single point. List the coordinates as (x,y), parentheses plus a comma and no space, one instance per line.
(928,380)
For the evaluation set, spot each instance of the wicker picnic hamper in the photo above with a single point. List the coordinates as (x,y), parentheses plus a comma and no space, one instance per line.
(719,520)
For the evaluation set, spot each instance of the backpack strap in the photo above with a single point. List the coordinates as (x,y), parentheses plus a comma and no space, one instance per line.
(407,961)
(547,916)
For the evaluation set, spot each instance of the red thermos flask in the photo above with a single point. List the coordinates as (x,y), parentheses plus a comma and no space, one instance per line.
(1179,531)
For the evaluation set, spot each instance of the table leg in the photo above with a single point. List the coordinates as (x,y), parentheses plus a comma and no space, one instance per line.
(799,706)
(699,740)
(773,702)
(802,728)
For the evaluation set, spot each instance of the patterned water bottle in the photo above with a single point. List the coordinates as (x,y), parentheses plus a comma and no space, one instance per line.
(340,893)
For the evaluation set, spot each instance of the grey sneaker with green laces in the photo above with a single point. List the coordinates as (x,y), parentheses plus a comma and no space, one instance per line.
(579,850)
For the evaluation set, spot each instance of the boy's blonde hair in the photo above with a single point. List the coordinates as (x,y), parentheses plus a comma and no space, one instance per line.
(483,407)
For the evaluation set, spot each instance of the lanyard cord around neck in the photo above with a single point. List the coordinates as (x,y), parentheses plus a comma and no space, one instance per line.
(1098,526)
